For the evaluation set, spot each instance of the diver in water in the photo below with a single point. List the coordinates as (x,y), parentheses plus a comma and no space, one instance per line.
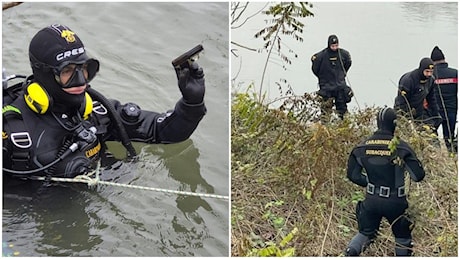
(56,125)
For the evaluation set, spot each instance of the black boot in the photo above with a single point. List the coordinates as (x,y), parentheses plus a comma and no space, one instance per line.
(357,245)
(403,247)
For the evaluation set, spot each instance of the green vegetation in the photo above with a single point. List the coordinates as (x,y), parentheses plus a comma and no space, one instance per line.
(290,194)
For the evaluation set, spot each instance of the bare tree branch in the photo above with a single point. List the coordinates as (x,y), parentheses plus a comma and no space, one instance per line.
(9,5)
(249,17)
(239,45)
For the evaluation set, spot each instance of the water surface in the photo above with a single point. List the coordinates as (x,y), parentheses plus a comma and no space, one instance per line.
(385,39)
(135,44)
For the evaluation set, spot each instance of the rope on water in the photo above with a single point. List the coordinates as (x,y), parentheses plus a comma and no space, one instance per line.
(96,181)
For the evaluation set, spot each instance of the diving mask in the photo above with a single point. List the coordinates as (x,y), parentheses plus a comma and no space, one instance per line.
(73,74)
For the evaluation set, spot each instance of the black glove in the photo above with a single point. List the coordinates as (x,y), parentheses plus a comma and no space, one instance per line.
(348,93)
(437,121)
(191,83)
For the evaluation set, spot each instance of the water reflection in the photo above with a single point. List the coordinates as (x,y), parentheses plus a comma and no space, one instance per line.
(137,68)
(190,229)
(428,11)
(41,214)
(60,219)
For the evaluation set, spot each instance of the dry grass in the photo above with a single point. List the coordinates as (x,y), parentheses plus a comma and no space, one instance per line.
(289,171)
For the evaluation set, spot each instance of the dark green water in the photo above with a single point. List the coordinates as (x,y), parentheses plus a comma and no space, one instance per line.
(135,43)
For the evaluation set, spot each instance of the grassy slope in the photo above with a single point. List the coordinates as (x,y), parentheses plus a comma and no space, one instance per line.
(290,174)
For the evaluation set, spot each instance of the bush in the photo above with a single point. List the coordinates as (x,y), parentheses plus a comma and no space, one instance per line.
(289,174)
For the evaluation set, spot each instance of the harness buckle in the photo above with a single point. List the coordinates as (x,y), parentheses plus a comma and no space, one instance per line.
(401,191)
(99,109)
(21,139)
(384,191)
(370,188)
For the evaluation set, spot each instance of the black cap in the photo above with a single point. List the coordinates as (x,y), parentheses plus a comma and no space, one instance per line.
(437,54)
(50,49)
(55,45)
(386,119)
(425,63)
(332,40)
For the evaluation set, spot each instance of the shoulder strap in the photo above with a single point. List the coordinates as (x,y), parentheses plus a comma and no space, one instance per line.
(11,93)
(19,137)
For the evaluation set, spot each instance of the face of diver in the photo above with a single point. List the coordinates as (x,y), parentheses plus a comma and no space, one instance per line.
(67,73)
(73,77)
(428,73)
(61,66)
(334,47)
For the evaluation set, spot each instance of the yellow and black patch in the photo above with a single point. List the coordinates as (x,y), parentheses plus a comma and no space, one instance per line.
(68,35)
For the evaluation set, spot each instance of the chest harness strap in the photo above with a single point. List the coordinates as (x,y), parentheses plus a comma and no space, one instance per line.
(20,139)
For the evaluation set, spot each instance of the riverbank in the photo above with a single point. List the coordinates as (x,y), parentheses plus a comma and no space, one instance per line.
(290,194)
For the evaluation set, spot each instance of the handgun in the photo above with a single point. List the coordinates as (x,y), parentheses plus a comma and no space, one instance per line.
(187,57)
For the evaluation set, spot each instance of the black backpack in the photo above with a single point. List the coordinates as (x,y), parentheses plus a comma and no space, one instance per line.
(10,93)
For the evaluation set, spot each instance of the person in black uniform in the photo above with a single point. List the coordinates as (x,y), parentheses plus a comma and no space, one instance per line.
(58,124)
(416,95)
(331,66)
(446,82)
(384,182)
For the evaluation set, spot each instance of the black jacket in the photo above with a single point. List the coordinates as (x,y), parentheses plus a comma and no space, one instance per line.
(331,67)
(383,167)
(51,134)
(412,92)
(446,83)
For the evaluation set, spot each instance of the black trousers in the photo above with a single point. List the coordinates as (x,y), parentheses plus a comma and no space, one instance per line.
(331,97)
(371,211)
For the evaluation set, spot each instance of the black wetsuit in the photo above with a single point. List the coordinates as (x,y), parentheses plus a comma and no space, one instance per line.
(50,134)
(331,67)
(384,182)
(414,90)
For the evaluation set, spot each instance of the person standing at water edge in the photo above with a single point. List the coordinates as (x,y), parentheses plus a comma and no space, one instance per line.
(331,66)
(57,125)
(416,95)
(446,85)
(384,182)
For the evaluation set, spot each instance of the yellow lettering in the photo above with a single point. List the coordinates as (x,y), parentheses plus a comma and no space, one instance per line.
(93,151)
(378,152)
(386,142)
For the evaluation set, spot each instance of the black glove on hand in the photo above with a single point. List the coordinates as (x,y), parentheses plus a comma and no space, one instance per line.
(191,83)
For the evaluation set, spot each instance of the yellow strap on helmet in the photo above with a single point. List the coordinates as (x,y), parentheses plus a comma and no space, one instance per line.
(88,106)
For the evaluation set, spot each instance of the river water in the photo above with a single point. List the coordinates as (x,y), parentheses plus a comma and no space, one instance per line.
(385,39)
(135,43)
